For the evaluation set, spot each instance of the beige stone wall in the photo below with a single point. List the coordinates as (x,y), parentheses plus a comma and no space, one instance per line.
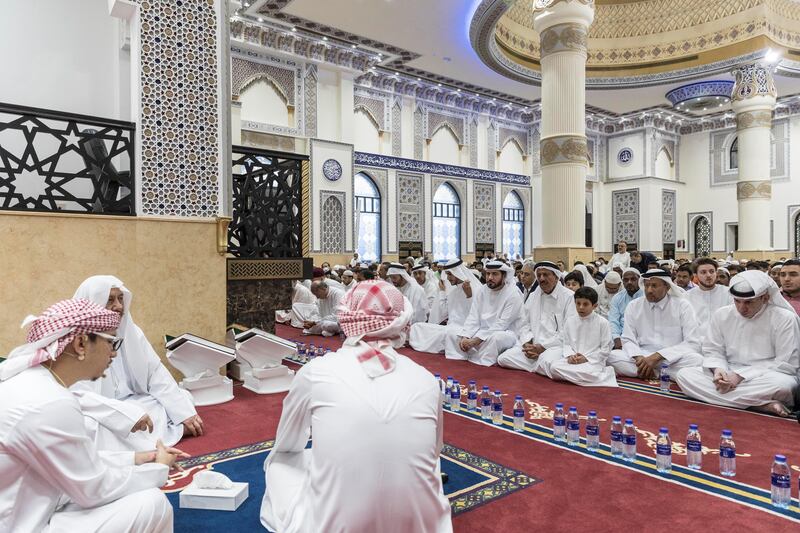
(170,265)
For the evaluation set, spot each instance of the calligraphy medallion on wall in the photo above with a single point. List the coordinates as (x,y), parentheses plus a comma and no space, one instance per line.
(625,156)
(332,169)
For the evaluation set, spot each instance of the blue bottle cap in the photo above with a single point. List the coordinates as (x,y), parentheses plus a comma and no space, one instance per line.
(450,378)
(663,430)
(664,365)
(437,376)
(693,427)
(727,433)
(486,387)
(780,458)
(472,382)
(455,382)
(629,420)
(497,392)
(559,405)
(592,413)
(616,419)
(518,397)
(573,409)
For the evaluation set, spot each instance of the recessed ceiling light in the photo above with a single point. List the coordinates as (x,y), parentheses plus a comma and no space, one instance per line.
(260,19)
(438,84)
(352,46)
(294,29)
(324,38)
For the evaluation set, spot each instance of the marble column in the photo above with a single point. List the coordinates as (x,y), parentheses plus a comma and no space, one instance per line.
(753,100)
(562,26)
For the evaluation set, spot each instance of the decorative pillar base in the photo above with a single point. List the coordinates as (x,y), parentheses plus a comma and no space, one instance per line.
(567,255)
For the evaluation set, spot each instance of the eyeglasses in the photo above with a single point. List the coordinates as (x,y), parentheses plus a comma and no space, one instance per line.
(116,342)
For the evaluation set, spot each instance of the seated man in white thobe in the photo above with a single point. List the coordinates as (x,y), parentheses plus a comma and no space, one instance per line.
(387,479)
(619,303)
(138,402)
(543,318)
(751,353)
(328,300)
(659,328)
(460,282)
(707,297)
(587,343)
(622,257)
(493,319)
(52,478)
(348,280)
(402,280)
(426,279)
(606,290)
(303,304)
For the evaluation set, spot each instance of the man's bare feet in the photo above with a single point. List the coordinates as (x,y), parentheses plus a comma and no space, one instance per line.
(773,408)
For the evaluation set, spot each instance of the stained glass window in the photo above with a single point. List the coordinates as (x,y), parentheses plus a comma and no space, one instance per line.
(446,224)
(513,225)
(368,218)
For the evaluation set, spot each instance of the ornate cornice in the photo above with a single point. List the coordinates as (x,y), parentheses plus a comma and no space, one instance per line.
(753,189)
(564,149)
(429,167)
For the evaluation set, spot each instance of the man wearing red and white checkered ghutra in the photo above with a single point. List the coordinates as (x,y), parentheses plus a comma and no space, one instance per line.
(53,478)
(365,402)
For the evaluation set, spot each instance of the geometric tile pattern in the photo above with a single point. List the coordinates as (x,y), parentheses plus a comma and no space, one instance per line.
(179,110)
(419,138)
(473,145)
(410,200)
(248,269)
(243,73)
(484,213)
(668,214)
(625,216)
(397,130)
(310,101)
(332,222)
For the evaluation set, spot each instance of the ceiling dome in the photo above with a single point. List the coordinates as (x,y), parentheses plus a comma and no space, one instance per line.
(643,42)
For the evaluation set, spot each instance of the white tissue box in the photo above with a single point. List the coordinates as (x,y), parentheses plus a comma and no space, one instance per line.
(214,499)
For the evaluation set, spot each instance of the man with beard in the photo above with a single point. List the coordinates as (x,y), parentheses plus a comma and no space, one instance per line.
(620,302)
(491,326)
(707,296)
(400,278)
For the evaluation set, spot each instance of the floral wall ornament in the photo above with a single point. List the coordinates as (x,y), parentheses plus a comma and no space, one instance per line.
(564,149)
(332,169)
(753,189)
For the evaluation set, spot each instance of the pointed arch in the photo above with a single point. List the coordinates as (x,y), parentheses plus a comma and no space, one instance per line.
(446,223)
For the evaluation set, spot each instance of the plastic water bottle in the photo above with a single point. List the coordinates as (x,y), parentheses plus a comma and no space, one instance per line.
(559,423)
(497,409)
(320,351)
(311,352)
(472,395)
(592,432)
(301,352)
(664,452)
(616,437)
(694,448)
(486,403)
(629,441)
(781,483)
(519,414)
(455,396)
(440,383)
(447,389)
(727,454)
(664,377)
(573,427)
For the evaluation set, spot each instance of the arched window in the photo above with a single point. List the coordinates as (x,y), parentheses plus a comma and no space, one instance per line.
(368,218)
(797,235)
(702,237)
(733,155)
(513,225)
(446,223)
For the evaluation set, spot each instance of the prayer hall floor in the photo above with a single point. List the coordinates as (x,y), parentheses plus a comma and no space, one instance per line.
(570,489)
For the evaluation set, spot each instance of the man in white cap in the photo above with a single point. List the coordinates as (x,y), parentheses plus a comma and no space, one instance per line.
(659,328)
(606,290)
(376,417)
(493,320)
(707,296)
(619,303)
(52,478)
(138,401)
(402,280)
(328,300)
(460,283)
(751,353)
(347,280)
(543,318)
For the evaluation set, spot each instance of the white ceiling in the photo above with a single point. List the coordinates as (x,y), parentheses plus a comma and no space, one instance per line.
(438,30)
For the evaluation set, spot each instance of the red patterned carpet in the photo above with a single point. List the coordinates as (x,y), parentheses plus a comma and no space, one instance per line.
(579,491)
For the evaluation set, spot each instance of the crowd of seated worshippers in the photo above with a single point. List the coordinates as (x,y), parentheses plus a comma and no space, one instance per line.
(651,311)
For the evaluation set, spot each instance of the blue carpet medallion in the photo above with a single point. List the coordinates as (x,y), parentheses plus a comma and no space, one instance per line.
(473,481)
